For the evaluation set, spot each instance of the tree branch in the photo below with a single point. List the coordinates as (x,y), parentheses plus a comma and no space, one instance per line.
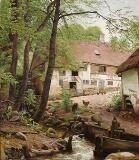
(48,14)
(92,12)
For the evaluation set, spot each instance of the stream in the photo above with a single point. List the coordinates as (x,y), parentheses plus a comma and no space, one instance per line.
(82,150)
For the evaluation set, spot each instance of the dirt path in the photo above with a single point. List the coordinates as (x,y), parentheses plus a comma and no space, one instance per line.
(99,103)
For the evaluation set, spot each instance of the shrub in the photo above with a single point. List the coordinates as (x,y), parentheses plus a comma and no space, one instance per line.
(66,100)
(7,78)
(30,98)
(27,120)
(117,102)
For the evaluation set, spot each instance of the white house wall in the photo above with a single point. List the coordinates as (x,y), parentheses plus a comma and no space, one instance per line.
(86,75)
(130,81)
(106,77)
(55,87)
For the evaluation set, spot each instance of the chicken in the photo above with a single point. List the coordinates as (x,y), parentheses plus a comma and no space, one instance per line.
(86,103)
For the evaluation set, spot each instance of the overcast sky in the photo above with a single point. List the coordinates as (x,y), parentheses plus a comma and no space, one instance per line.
(114,5)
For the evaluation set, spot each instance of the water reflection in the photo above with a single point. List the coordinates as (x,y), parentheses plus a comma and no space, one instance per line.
(82,150)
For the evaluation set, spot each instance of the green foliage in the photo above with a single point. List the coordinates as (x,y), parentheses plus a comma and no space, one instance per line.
(7,78)
(27,120)
(93,33)
(65,56)
(72,32)
(30,98)
(117,102)
(77,32)
(66,100)
(127,27)
(8,112)
(120,44)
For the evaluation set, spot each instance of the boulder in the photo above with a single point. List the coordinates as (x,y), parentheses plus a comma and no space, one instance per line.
(61,144)
(120,155)
(97,117)
(51,133)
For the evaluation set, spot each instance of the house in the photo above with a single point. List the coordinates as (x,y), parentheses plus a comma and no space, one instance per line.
(129,71)
(98,70)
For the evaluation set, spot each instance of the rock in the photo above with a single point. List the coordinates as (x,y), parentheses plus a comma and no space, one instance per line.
(120,155)
(51,133)
(97,117)
(15,113)
(77,118)
(45,146)
(61,118)
(61,144)
(21,136)
(15,119)
(46,115)
(15,116)
(51,110)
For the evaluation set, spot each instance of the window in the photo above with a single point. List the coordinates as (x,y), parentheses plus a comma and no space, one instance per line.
(110,83)
(94,82)
(62,73)
(74,73)
(102,69)
(72,85)
(85,67)
(85,81)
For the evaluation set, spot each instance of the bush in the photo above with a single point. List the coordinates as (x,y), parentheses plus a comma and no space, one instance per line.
(30,98)
(117,102)
(7,78)
(27,120)
(66,100)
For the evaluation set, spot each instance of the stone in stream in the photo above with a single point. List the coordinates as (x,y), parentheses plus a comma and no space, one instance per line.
(120,155)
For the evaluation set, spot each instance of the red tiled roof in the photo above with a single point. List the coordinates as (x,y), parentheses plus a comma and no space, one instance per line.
(131,62)
(86,52)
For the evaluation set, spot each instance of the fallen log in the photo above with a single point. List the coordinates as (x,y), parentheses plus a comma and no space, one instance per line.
(105,145)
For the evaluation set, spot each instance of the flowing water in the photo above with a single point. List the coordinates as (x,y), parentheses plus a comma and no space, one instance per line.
(82,150)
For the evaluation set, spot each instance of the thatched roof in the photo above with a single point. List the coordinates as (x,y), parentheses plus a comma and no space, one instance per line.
(131,62)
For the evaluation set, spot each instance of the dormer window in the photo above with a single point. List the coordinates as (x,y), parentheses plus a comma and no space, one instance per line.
(97,53)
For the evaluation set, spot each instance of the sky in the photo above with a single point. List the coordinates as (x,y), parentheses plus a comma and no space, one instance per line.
(114,5)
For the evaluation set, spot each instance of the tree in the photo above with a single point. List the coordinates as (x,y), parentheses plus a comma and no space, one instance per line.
(52,56)
(76,32)
(93,33)
(51,63)
(72,32)
(120,44)
(126,26)
(36,19)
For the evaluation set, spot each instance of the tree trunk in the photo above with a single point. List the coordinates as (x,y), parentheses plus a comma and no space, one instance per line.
(12,89)
(51,64)
(25,74)
(14,36)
